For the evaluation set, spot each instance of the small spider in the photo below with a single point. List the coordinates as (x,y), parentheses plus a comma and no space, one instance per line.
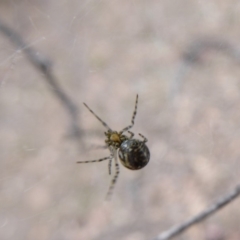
(133,153)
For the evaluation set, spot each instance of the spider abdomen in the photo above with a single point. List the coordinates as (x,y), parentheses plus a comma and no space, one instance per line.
(134,154)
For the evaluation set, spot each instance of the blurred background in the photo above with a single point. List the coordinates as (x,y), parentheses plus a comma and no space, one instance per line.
(181,57)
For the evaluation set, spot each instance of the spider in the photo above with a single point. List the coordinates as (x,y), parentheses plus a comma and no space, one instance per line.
(133,153)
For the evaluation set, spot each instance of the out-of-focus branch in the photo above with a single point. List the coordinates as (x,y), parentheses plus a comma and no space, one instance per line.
(192,55)
(194,51)
(173,232)
(42,64)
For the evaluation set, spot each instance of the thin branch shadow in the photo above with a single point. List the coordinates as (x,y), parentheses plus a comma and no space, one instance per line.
(44,66)
(219,204)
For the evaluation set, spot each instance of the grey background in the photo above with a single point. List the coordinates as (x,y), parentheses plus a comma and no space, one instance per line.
(181,57)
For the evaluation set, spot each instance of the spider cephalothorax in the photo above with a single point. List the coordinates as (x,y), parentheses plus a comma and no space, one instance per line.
(115,138)
(133,153)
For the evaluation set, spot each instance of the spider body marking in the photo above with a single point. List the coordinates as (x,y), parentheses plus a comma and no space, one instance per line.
(133,153)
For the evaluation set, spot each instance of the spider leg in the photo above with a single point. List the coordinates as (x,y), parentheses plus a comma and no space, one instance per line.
(113,182)
(97,146)
(144,138)
(98,160)
(103,123)
(131,134)
(110,165)
(133,117)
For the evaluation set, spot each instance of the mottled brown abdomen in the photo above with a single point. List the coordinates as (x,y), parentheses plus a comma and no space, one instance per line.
(134,154)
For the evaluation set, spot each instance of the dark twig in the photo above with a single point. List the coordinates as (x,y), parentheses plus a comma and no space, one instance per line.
(200,217)
(192,55)
(42,64)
